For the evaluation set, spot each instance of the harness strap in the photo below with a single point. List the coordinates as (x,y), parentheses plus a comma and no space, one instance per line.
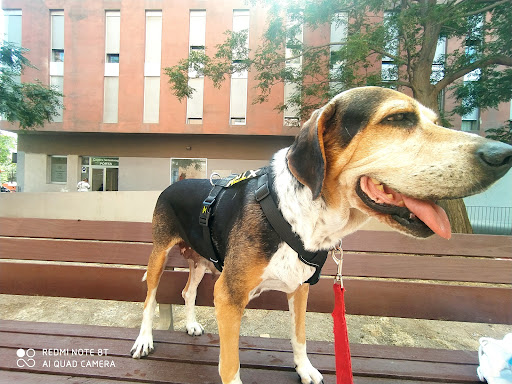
(284,230)
(204,218)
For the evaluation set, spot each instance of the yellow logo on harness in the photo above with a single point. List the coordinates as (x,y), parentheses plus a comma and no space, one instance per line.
(204,209)
(243,176)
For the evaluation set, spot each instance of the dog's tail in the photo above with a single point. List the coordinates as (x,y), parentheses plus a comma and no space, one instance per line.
(145,276)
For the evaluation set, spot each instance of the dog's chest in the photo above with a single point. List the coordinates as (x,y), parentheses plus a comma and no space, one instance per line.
(285,272)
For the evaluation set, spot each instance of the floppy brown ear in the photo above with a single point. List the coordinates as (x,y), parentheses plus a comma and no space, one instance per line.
(306,156)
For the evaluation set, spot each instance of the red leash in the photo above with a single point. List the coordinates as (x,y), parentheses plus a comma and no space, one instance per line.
(341,345)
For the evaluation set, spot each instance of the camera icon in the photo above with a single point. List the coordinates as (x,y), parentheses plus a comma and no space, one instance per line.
(25,358)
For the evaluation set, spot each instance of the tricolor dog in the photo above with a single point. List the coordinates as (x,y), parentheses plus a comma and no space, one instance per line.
(369,152)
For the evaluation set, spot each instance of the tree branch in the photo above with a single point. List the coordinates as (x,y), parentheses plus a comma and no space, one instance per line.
(499,60)
(488,8)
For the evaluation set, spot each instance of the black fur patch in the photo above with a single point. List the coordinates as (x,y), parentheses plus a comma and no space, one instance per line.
(356,111)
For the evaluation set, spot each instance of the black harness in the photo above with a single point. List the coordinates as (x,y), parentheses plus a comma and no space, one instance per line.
(279,224)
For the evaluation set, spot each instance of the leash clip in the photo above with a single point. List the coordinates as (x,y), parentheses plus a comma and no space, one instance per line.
(337,256)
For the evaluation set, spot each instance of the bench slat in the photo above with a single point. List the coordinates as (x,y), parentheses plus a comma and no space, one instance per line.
(155,371)
(256,343)
(463,269)
(361,264)
(459,244)
(255,363)
(363,297)
(76,229)
(361,241)
(31,378)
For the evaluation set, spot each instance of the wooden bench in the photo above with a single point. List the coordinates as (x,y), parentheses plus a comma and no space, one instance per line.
(386,274)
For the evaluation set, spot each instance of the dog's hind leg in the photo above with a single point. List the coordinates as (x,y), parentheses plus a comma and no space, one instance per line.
(297,302)
(163,241)
(197,270)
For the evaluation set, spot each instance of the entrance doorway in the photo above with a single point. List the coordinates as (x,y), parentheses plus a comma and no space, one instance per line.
(104,179)
(102,172)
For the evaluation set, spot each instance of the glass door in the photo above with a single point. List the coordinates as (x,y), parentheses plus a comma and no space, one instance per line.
(97,181)
(111,179)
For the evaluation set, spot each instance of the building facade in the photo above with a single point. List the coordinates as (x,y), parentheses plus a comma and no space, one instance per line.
(121,126)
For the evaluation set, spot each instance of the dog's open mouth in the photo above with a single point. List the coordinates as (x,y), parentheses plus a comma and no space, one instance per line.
(421,217)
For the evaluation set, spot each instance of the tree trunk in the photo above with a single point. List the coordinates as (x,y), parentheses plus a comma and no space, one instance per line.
(455,209)
(457,214)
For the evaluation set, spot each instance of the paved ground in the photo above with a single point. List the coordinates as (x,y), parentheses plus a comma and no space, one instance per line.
(362,329)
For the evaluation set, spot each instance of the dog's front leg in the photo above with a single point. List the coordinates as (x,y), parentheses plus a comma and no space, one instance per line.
(229,308)
(297,302)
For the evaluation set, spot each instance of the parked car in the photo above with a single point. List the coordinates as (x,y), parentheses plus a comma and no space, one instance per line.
(4,189)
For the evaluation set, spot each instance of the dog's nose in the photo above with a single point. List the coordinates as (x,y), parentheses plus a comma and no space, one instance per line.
(496,156)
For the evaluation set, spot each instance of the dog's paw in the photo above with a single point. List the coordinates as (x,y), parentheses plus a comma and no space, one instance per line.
(194,329)
(143,346)
(309,374)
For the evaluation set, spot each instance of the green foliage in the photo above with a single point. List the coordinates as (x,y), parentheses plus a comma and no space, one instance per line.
(7,145)
(503,133)
(186,163)
(408,37)
(29,104)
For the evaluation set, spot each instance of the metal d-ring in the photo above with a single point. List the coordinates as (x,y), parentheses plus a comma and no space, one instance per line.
(211,177)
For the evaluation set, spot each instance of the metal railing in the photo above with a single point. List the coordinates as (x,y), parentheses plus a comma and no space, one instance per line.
(490,220)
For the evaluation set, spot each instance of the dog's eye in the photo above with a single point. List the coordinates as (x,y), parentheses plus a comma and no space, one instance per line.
(396,117)
(404,119)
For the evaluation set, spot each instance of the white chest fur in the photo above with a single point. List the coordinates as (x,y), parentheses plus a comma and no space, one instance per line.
(285,272)
(319,226)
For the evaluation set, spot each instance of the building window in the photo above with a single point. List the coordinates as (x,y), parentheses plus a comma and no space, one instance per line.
(58,167)
(102,172)
(294,39)
(438,69)
(111,99)
(111,81)
(12,33)
(152,66)
(197,36)
(389,70)
(238,90)
(339,34)
(471,121)
(188,169)
(113,58)
(57,56)
(12,26)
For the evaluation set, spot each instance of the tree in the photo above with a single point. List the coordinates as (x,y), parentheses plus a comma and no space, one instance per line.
(402,35)
(29,104)
(503,133)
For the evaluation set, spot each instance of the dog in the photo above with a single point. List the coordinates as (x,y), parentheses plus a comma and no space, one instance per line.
(369,152)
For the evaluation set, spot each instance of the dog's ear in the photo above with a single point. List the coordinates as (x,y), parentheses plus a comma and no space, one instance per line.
(306,156)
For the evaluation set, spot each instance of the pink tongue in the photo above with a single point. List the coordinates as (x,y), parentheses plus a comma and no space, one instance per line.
(431,214)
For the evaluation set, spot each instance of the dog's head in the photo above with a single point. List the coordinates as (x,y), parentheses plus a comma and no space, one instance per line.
(381,152)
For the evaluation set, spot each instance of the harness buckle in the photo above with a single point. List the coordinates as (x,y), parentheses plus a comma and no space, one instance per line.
(262,192)
(206,211)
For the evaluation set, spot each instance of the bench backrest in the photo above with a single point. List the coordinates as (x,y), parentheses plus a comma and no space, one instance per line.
(468,278)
